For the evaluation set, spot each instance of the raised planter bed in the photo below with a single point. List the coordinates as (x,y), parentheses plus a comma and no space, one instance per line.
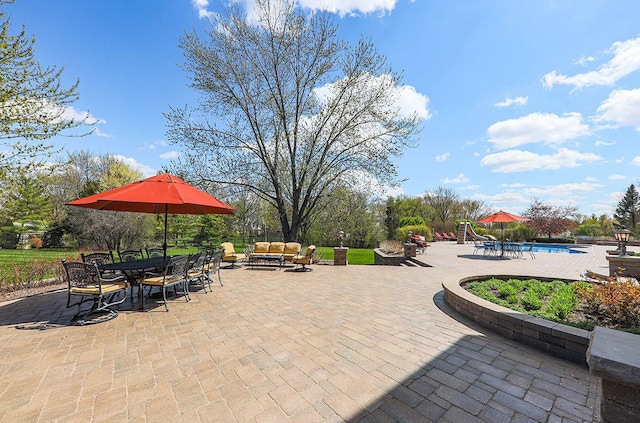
(384,259)
(554,338)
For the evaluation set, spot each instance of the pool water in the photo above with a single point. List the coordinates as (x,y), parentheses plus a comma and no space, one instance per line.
(554,248)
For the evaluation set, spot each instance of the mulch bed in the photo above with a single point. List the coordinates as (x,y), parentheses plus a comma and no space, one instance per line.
(15,292)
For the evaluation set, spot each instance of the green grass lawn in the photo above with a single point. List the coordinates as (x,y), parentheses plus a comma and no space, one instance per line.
(20,257)
(354,255)
(22,266)
(19,267)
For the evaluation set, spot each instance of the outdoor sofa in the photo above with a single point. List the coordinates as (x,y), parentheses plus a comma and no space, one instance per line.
(276,249)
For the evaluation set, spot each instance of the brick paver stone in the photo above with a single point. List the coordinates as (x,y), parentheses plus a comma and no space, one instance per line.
(340,343)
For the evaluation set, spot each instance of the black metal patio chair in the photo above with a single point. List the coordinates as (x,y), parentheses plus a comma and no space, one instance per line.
(86,283)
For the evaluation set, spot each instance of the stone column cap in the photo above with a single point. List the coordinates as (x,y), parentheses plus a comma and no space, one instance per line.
(613,355)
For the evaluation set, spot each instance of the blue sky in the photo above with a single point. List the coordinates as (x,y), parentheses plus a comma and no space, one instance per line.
(523,99)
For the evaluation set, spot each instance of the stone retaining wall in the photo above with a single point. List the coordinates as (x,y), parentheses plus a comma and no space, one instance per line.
(554,338)
(381,258)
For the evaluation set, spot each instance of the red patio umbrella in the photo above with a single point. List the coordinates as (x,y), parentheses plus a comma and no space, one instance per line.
(503,217)
(163,193)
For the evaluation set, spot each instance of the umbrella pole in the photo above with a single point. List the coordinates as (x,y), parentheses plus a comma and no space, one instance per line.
(164,244)
(502,233)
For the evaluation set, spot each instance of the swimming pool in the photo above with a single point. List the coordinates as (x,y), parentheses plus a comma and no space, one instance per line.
(555,248)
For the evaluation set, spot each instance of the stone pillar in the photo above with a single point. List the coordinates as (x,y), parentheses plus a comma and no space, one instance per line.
(340,256)
(409,249)
(630,264)
(613,356)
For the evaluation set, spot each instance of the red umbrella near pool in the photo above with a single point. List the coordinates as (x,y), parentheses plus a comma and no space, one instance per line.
(163,193)
(503,217)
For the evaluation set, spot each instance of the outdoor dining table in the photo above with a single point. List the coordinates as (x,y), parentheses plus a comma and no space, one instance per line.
(513,248)
(136,269)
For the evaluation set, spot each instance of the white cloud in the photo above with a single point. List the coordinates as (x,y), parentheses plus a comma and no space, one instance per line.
(133,163)
(584,60)
(518,101)
(514,185)
(442,157)
(547,128)
(407,100)
(410,101)
(636,161)
(70,113)
(154,145)
(600,208)
(622,108)
(459,179)
(364,182)
(626,59)
(97,132)
(521,161)
(170,155)
(201,7)
(350,7)
(339,7)
(607,204)
(603,143)
(508,200)
(562,190)
(617,177)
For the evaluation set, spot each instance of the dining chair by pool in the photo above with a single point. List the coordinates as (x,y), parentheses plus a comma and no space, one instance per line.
(530,250)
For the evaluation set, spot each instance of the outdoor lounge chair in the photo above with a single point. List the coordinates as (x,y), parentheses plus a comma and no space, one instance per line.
(304,260)
(438,236)
(175,274)
(445,236)
(86,283)
(453,236)
(229,254)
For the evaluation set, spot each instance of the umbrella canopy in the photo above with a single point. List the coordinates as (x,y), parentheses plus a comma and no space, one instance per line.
(503,217)
(163,193)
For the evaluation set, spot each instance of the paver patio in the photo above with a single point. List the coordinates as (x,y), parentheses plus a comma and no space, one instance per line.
(354,343)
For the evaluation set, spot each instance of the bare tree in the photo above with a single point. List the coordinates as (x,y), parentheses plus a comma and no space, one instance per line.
(446,206)
(474,209)
(84,175)
(287,110)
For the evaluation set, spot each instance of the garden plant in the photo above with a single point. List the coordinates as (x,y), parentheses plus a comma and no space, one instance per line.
(581,304)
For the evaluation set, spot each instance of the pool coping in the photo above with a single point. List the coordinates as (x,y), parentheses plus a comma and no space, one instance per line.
(557,339)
